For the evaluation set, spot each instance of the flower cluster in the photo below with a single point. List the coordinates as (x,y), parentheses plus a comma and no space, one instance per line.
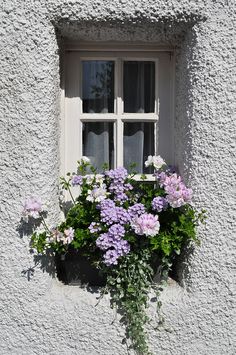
(76,180)
(118,187)
(65,238)
(146,224)
(97,194)
(32,208)
(119,209)
(114,244)
(123,226)
(159,204)
(110,213)
(156,161)
(177,193)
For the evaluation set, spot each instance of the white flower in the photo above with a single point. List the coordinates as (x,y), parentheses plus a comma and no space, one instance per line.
(158,162)
(85,160)
(98,194)
(155,160)
(99,179)
(149,161)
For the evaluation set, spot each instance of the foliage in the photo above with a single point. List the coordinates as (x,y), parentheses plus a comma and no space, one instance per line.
(126,228)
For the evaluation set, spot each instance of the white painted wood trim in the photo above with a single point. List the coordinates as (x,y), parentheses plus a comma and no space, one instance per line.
(74,118)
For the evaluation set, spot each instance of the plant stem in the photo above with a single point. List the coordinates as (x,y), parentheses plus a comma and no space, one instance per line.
(45,224)
(73,200)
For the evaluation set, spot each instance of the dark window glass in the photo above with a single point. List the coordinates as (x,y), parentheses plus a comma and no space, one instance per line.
(98,86)
(139,86)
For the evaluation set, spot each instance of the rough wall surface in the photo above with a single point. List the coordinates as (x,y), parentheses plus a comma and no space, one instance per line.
(42,316)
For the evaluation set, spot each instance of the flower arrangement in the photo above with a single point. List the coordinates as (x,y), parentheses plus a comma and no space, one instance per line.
(125,228)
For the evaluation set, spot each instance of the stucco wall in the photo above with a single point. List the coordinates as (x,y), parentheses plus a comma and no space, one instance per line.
(43,316)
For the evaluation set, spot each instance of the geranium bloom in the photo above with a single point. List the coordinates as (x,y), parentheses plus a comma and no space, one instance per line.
(56,236)
(32,207)
(177,193)
(65,238)
(98,194)
(156,161)
(85,160)
(98,179)
(69,235)
(146,224)
(76,180)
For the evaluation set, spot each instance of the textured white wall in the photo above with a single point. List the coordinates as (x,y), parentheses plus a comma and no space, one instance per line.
(42,316)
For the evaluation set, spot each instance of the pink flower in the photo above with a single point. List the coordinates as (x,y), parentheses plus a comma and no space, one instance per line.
(69,235)
(147,224)
(65,238)
(32,207)
(177,193)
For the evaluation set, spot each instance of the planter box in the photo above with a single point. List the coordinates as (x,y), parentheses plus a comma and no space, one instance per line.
(75,269)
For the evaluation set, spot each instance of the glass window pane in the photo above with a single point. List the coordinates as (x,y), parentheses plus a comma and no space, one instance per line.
(98,143)
(139,86)
(98,86)
(138,144)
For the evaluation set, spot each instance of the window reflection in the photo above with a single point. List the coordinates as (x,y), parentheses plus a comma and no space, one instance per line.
(139,86)
(98,86)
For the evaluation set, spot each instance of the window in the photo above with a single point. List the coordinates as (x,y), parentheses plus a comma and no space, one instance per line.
(118,105)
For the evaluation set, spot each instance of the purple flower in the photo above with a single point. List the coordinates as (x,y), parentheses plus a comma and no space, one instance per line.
(147,224)
(122,247)
(161,178)
(32,207)
(104,241)
(136,210)
(113,243)
(117,185)
(117,230)
(106,204)
(159,204)
(123,216)
(118,174)
(94,227)
(76,180)
(179,196)
(111,214)
(110,257)
(108,215)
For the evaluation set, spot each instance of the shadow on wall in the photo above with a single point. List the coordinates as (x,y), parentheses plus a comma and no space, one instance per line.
(44,261)
(74,269)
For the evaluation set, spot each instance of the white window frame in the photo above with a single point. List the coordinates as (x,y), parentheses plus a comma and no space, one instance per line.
(73,117)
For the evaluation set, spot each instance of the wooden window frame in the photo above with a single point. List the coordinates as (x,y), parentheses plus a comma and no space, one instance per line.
(72,115)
